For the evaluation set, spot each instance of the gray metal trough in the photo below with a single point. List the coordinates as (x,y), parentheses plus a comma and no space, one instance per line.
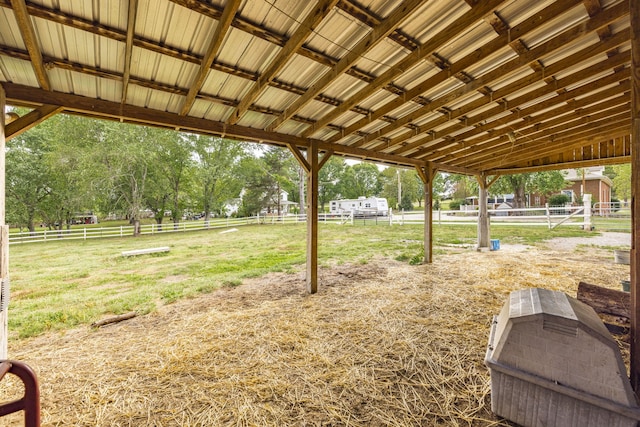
(553,363)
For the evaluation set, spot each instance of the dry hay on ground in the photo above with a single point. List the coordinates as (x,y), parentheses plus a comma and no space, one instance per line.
(381,344)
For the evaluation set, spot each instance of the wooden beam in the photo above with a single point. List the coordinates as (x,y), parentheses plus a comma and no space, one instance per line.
(500,96)
(4,236)
(300,157)
(31,42)
(312,219)
(174,52)
(426,174)
(569,97)
(131,26)
(521,61)
(379,32)
(327,155)
(476,13)
(487,50)
(634,7)
(559,165)
(323,7)
(29,120)
(219,34)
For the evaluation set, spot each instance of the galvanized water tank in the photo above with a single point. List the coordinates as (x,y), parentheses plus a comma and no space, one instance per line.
(553,363)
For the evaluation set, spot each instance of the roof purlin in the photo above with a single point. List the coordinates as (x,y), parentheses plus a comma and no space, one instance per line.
(488,49)
(477,12)
(311,21)
(515,103)
(521,61)
(367,43)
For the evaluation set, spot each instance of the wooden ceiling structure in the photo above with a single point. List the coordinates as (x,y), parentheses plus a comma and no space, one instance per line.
(494,86)
(478,87)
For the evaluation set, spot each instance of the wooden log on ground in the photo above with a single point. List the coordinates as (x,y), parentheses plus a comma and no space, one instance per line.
(114,319)
(604,300)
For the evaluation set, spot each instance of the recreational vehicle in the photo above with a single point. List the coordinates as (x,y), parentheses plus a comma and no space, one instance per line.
(367,206)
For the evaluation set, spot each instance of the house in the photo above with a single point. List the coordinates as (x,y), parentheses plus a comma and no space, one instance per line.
(589,181)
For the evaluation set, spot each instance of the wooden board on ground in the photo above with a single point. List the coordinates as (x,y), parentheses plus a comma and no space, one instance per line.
(145,251)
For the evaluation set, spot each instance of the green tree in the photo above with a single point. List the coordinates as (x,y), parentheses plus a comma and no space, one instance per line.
(622,181)
(361,179)
(27,180)
(545,183)
(329,178)
(217,171)
(123,160)
(173,168)
(280,175)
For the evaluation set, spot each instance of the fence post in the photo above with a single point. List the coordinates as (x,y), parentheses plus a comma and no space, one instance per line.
(352,216)
(390,216)
(586,199)
(439,216)
(84,234)
(546,206)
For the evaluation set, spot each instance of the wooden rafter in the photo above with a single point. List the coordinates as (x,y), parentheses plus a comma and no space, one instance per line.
(222,28)
(473,145)
(480,10)
(523,60)
(290,48)
(379,32)
(489,49)
(131,25)
(512,105)
(529,135)
(174,52)
(531,143)
(31,42)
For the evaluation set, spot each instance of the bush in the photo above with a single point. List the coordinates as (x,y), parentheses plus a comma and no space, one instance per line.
(406,203)
(615,204)
(454,205)
(559,200)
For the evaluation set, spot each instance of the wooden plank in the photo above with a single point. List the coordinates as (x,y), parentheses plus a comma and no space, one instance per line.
(323,7)
(31,119)
(222,28)
(379,32)
(145,251)
(31,42)
(605,300)
(4,232)
(480,10)
(634,16)
(131,24)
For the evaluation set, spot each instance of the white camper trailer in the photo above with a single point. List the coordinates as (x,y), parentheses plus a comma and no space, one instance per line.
(362,206)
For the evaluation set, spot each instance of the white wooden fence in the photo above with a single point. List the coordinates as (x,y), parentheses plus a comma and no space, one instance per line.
(550,217)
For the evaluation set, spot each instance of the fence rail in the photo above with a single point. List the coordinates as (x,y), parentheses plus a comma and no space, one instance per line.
(550,217)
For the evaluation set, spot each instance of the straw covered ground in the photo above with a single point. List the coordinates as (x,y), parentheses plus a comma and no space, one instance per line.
(381,344)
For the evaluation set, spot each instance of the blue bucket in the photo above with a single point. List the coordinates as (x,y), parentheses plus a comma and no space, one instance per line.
(495,244)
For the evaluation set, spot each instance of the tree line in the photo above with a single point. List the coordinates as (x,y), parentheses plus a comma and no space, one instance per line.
(70,165)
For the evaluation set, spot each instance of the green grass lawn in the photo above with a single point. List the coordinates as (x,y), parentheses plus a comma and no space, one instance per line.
(58,285)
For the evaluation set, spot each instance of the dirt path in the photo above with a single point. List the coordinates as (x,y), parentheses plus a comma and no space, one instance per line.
(604,239)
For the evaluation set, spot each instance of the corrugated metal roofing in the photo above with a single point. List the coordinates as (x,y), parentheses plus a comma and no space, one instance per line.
(445,84)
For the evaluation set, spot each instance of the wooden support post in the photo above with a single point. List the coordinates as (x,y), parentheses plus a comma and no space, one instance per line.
(483,214)
(4,238)
(427,174)
(312,218)
(634,16)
